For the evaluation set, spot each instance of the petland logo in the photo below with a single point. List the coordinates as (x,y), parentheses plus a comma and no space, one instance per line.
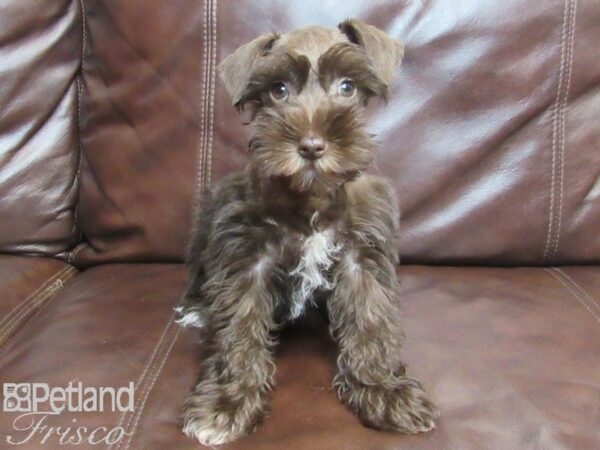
(37,401)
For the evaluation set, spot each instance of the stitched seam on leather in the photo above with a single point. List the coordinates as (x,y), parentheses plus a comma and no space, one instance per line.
(140,411)
(200,168)
(16,335)
(576,286)
(562,127)
(550,230)
(30,307)
(142,380)
(201,171)
(151,361)
(203,111)
(7,319)
(558,128)
(76,250)
(79,97)
(212,91)
(572,291)
(146,382)
(35,300)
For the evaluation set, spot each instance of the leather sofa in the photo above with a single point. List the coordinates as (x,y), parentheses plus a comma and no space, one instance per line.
(113,120)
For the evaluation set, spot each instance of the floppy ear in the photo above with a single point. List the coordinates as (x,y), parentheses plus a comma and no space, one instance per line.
(236,68)
(384,51)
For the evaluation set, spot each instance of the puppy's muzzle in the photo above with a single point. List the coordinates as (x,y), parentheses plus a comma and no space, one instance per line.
(311,147)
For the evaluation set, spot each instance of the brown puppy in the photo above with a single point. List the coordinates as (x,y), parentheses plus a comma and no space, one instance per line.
(301,224)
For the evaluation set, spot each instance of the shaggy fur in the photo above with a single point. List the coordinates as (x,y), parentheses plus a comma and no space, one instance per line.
(297,228)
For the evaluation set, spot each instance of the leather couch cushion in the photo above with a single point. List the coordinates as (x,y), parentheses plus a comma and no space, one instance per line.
(509,355)
(490,135)
(41,50)
(143,70)
(26,284)
(110,325)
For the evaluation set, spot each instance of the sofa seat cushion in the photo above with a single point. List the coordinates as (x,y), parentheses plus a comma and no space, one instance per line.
(26,284)
(510,356)
(109,326)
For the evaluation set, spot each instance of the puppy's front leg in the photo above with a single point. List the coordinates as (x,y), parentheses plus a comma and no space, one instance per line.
(231,398)
(371,379)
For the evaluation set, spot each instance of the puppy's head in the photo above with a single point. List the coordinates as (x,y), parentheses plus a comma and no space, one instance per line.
(306,92)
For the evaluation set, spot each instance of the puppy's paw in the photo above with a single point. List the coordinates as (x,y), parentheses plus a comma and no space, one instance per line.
(210,430)
(217,420)
(403,407)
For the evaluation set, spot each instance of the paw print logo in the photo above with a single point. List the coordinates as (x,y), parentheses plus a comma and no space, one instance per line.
(17,397)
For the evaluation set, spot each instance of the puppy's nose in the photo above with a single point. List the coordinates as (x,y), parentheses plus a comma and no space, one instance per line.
(311,147)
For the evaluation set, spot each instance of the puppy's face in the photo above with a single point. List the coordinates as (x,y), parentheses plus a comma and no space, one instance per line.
(306,92)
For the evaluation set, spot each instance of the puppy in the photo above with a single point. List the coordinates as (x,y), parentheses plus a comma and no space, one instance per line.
(302,224)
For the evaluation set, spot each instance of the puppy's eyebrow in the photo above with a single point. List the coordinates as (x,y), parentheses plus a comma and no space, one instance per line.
(287,66)
(345,60)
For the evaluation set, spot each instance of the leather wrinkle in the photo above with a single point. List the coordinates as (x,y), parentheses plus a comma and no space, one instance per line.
(40,123)
(147,63)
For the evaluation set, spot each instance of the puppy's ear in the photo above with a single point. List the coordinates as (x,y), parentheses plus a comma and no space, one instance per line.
(236,68)
(385,51)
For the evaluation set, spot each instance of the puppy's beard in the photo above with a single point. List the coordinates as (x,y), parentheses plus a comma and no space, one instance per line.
(307,178)
(311,176)
(302,175)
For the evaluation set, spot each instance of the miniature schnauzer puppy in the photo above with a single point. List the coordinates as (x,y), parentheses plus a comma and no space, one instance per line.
(301,225)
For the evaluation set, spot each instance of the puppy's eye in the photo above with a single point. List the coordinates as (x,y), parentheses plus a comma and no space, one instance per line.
(346,88)
(279,91)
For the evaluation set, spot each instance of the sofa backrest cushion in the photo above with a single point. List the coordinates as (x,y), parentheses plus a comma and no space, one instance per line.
(490,137)
(40,52)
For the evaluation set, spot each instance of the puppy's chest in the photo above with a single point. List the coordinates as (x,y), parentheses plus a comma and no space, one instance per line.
(309,262)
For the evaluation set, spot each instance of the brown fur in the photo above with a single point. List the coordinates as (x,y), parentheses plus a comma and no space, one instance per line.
(284,65)
(259,233)
(350,61)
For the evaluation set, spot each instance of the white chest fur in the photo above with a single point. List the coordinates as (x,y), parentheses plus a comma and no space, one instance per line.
(319,251)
